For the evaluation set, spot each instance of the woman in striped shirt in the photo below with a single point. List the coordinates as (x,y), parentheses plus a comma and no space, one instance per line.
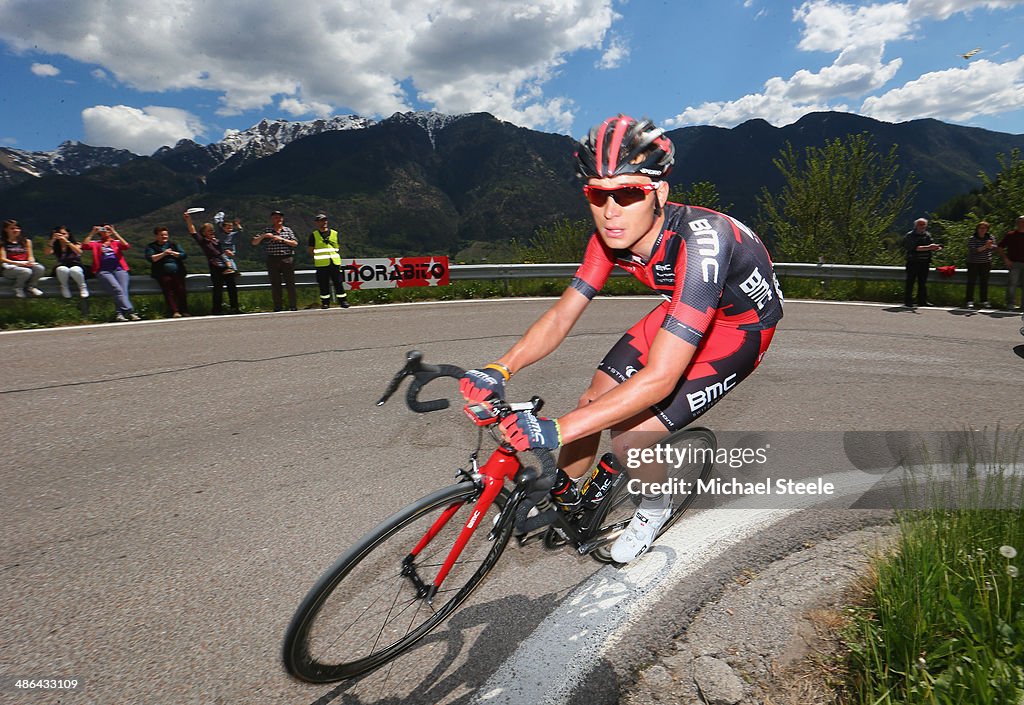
(979,262)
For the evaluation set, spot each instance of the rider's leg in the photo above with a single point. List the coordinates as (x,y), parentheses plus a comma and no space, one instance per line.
(725,357)
(637,434)
(577,458)
(632,436)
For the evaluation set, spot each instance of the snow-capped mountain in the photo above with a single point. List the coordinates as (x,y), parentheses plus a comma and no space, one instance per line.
(69,159)
(241,147)
(232,152)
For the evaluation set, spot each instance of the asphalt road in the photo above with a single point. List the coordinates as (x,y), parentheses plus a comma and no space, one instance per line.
(172,488)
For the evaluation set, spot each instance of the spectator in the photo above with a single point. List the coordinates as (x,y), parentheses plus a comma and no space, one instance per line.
(68,252)
(919,248)
(19,263)
(167,266)
(325,248)
(280,249)
(219,270)
(979,262)
(109,265)
(226,237)
(1011,249)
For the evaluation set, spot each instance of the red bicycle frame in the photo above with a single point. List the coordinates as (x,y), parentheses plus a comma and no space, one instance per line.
(503,464)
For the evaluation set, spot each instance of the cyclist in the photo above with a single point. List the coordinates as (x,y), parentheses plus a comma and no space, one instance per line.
(721,304)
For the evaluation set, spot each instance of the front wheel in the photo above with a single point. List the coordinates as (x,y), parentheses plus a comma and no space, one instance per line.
(374,603)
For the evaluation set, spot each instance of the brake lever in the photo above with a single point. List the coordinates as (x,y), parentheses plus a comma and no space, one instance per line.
(413,361)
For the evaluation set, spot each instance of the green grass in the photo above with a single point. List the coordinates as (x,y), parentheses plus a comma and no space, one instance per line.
(939,293)
(45,313)
(944,619)
(50,312)
(53,312)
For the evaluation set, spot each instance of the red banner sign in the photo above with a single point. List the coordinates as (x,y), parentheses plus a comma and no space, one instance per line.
(394,272)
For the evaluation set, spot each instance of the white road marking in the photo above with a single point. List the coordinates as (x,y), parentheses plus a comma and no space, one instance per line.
(547,667)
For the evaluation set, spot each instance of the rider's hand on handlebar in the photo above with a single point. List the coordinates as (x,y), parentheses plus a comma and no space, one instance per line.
(483,384)
(524,431)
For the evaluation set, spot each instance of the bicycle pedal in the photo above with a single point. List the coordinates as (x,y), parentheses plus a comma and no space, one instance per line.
(526,539)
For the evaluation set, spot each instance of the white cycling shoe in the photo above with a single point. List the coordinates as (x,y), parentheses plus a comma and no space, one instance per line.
(639,535)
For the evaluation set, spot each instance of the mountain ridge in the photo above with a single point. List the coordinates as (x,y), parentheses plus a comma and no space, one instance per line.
(427,182)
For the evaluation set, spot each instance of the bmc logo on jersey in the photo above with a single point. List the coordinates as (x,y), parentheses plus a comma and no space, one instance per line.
(664,274)
(709,395)
(757,288)
(708,247)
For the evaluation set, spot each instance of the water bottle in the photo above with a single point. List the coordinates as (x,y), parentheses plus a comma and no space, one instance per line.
(600,481)
(565,492)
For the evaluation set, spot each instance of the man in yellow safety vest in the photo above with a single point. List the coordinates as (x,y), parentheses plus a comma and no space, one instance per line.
(326,251)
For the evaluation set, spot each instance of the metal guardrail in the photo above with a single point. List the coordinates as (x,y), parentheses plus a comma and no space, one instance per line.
(249,281)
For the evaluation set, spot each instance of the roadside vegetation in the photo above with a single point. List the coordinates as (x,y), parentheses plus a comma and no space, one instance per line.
(943,618)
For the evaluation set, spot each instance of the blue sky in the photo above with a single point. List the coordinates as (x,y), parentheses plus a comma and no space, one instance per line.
(139,74)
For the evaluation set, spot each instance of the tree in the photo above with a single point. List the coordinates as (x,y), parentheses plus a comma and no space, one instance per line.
(839,202)
(563,241)
(1000,201)
(702,193)
(1002,198)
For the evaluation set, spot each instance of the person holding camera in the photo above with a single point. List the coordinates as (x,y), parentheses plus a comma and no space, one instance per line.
(107,248)
(68,252)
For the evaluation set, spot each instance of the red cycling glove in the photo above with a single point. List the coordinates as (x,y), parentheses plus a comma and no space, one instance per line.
(484,384)
(524,431)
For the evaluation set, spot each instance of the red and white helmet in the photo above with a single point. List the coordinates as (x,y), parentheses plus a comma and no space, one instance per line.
(624,145)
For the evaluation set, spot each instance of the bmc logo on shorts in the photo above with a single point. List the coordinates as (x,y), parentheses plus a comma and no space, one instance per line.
(709,395)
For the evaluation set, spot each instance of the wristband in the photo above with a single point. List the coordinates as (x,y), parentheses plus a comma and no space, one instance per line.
(504,370)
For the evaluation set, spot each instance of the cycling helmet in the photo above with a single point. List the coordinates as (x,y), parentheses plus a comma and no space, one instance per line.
(624,145)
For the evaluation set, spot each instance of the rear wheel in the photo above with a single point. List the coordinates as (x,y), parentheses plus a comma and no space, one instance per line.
(372,604)
(696,447)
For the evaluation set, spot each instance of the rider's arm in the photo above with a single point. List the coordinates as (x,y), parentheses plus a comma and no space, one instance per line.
(551,329)
(547,333)
(666,363)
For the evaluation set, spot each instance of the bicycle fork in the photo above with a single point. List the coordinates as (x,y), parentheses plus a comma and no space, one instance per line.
(502,464)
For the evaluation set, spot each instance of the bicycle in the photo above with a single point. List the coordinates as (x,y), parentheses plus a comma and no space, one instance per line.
(411,572)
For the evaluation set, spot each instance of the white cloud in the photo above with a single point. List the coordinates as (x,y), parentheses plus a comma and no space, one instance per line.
(367,57)
(614,55)
(296,107)
(944,9)
(860,36)
(774,109)
(139,131)
(832,27)
(45,70)
(982,88)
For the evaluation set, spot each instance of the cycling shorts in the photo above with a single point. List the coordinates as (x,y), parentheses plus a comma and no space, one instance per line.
(724,358)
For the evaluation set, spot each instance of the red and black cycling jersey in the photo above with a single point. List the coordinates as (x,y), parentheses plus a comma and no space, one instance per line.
(709,267)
